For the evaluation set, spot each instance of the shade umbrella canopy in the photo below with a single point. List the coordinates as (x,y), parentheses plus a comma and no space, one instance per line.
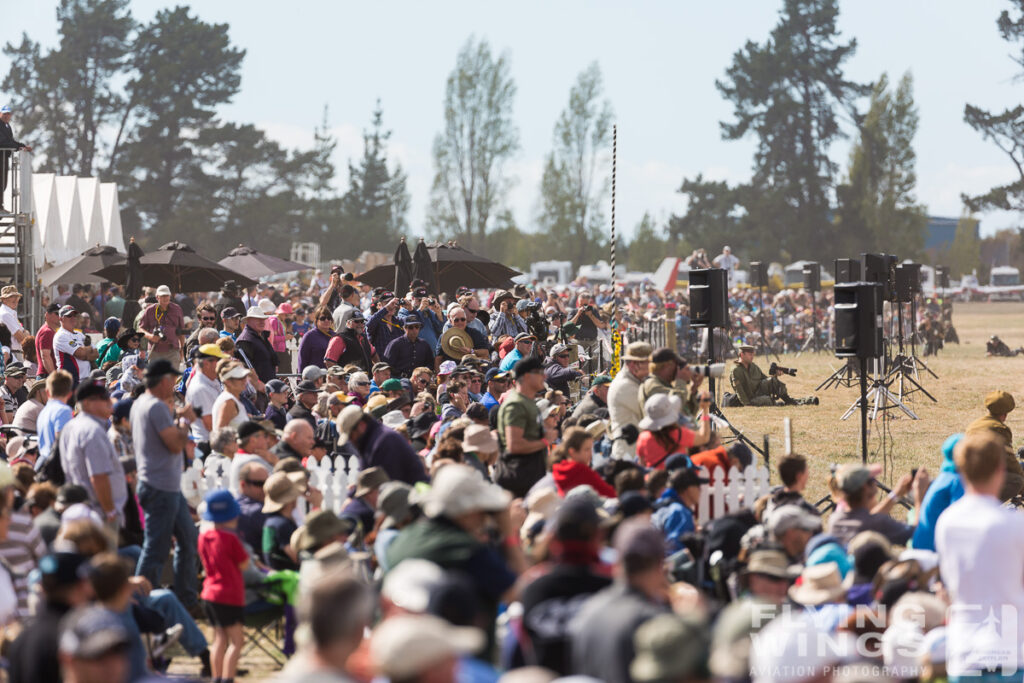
(403,268)
(423,267)
(81,269)
(132,285)
(451,267)
(178,266)
(255,264)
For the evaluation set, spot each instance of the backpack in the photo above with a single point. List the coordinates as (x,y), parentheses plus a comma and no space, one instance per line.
(53,470)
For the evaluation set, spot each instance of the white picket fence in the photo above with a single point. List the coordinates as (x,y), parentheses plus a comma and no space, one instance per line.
(744,488)
(331,476)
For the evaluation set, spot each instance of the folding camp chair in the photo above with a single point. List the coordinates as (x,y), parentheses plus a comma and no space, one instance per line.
(266,624)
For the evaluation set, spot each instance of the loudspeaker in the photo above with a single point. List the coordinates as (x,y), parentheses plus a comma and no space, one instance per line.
(758,274)
(847,270)
(908,281)
(877,268)
(941,277)
(812,277)
(858,321)
(709,298)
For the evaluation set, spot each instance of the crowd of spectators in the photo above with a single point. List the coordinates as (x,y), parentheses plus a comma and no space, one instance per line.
(513,513)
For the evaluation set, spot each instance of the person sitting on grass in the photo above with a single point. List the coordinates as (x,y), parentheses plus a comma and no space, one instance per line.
(224,559)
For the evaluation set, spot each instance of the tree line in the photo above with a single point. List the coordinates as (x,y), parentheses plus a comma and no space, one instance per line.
(138,103)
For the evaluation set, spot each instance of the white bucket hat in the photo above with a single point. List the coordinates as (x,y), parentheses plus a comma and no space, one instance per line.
(662,410)
(458,489)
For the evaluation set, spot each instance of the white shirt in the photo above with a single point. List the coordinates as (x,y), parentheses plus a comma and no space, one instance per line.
(726,261)
(9,317)
(69,342)
(202,392)
(981,561)
(224,397)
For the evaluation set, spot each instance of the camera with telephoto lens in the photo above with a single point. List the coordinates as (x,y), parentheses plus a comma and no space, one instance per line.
(777,369)
(715,370)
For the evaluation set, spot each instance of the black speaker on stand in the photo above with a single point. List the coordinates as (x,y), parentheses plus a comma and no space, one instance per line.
(759,279)
(709,308)
(812,284)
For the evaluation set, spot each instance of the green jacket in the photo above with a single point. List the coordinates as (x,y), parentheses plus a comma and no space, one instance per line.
(749,382)
(653,385)
(1014,482)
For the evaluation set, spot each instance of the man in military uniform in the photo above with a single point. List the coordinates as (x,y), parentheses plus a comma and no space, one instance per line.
(999,405)
(997,347)
(754,388)
(670,374)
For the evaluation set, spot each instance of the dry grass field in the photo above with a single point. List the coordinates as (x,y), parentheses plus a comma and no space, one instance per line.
(965,376)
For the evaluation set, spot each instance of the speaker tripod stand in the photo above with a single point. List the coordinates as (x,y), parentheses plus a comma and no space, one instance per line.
(717,412)
(878,396)
(845,376)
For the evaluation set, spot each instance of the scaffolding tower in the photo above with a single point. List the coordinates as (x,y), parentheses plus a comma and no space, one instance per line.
(17,260)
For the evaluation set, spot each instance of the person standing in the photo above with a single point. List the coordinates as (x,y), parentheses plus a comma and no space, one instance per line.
(8,145)
(981,561)
(159,438)
(624,409)
(9,298)
(254,347)
(161,323)
(73,352)
(314,344)
(55,414)
(44,341)
(351,347)
(408,352)
(524,442)
(204,389)
(89,459)
(727,262)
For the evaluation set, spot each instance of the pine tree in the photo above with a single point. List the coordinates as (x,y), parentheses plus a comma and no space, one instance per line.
(878,211)
(373,210)
(787,92)
(965,252)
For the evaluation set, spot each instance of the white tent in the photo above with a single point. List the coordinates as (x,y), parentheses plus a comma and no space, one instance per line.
(48,229)
(110,207)
(72,222)
(89,198)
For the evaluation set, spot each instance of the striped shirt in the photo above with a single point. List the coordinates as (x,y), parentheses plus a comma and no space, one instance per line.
(21,553)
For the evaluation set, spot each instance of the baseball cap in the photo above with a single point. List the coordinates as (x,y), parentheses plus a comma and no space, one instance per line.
(495,373)
(67,311)
(851,478)
(5,109)
(229,313)
(212,351)
(92,389)
(92,632)
(53,307)
(391,385)
(380,367)
(525,336)
(248,428)
(306,387)
(786,517)
(276,386)
(161,367)
(163,290)
(412,319)
(410,644)
(313,373)
(221,506)
(601,379)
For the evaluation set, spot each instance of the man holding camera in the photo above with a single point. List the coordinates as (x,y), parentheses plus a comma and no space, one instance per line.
(754,388)
(160,325)
(670,374)
(587,318)
(508,320)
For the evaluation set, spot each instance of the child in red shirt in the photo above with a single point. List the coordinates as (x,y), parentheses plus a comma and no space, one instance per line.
(224,558)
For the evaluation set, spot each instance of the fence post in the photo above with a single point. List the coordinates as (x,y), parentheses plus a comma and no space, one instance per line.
(670,326)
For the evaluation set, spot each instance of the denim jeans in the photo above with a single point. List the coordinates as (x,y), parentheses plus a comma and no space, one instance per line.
(167,604)
(166,514)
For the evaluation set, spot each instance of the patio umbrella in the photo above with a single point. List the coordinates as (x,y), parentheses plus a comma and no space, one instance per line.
(450,267)
(177,265)
(255,264)
(403,268)
(81,268)
(423,267)
(132,285)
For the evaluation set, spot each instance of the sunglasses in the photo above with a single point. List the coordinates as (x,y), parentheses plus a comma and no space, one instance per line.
(359,322)
(562,355)
(325,317)
(256,482)
(458,320)
(362,384)
(208,320)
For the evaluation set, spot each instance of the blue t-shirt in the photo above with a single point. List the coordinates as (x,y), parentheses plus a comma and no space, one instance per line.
(52,418)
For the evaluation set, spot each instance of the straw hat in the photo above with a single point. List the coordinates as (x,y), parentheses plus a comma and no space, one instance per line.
(638,351)
(282,488)
(456,342)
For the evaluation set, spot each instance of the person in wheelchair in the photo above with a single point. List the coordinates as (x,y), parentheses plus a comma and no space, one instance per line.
(754,388)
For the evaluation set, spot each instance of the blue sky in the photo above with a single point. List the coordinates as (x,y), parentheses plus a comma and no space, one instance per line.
(659,59)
